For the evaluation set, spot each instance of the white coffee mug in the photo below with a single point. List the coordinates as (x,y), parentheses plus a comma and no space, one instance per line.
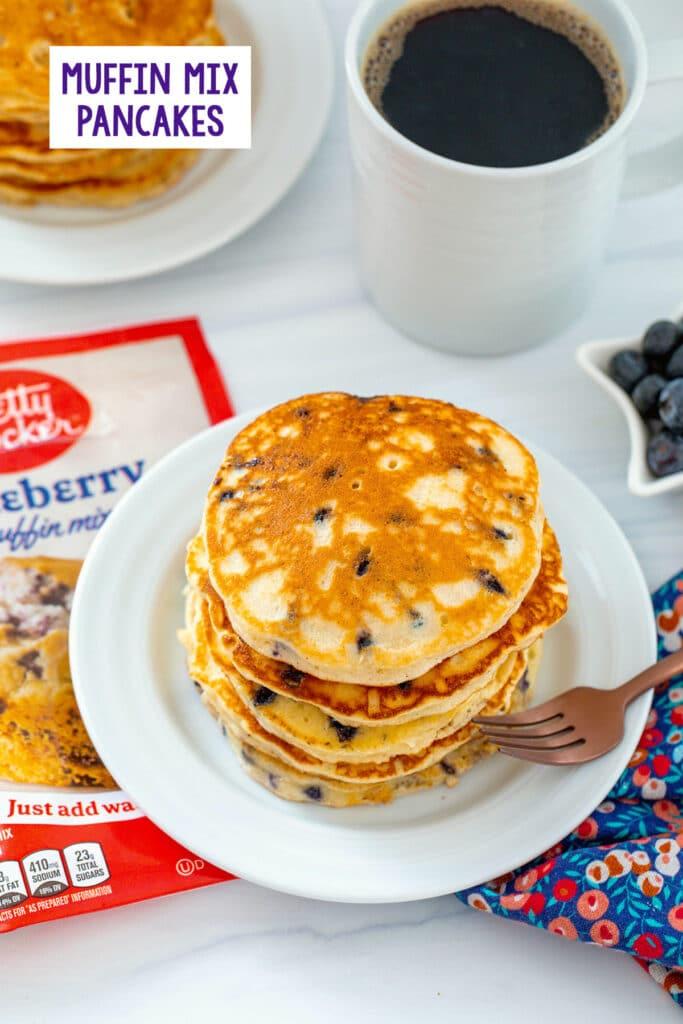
(482,260)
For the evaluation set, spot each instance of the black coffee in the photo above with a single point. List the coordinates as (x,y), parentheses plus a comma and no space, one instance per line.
(506,84)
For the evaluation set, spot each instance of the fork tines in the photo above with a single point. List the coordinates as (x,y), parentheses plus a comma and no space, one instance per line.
(541,734)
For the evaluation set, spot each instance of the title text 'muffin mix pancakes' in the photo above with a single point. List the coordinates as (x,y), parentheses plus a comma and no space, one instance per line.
(369,576)
(31,172)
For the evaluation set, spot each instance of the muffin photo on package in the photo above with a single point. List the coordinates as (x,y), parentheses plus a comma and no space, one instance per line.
(42,737)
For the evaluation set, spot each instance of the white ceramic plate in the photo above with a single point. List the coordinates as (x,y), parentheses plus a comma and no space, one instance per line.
(224,194)
(164,748)
(594,358)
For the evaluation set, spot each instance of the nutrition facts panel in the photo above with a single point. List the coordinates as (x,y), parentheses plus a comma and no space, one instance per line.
(45,873)
(86,863)
(12,884)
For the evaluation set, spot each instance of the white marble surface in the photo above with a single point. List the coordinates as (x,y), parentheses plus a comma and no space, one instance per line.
(284,312)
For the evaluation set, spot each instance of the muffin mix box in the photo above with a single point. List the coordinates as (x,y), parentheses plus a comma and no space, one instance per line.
(81,420)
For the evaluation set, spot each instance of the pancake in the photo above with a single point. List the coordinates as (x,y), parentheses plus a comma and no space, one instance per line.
(220,696)
(42,738)
(51,168)
(288,783)
(111,192)
(23,133)
(442,689)
(38,152)
(30,27)
(311,730)
(366,540)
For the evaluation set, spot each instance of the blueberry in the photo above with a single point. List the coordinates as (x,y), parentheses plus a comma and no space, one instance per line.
(659,341)
(263,696)
(416,618)
(490,582)
(501,534)
(671,405)
(313,792)
(674,368)
(227,495)
(627,368)
(322,514)
(448,768)
(364,639)
(646,393)
(406,687)
(665,453)
(363,562)
(292,676)
(344,732)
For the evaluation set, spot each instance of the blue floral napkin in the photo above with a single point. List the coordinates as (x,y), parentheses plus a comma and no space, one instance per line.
(617,880)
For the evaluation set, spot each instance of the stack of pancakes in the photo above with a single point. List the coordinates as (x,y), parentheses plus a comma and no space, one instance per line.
(31,172)
(370,575)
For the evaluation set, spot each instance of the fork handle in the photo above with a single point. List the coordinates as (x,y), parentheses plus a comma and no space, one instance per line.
(651,677)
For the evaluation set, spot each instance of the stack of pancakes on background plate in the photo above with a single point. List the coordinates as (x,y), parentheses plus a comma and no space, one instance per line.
(370,575)
(31,172)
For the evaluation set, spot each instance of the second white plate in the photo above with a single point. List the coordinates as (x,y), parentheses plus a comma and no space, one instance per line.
(164,748)
(223,195)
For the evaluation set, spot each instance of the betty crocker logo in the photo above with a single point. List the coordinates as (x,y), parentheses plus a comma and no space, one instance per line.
(40,418)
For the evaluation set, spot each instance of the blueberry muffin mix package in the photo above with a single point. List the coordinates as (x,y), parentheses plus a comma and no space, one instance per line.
(81,420)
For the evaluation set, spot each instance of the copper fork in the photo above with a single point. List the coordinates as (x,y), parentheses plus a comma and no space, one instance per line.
(579,725)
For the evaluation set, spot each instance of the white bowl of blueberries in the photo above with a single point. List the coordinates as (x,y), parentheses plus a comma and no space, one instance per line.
(645,378)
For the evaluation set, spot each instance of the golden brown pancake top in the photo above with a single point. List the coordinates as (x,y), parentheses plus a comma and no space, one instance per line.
(365,540)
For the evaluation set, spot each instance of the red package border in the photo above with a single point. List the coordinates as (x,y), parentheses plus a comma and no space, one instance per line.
(65,851)
(208,376)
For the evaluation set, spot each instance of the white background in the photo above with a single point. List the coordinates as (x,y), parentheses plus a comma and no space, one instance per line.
(284,312)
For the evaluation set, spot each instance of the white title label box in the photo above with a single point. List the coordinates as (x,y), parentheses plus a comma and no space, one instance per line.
(150,97)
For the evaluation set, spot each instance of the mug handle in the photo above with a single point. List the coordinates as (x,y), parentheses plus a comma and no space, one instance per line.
(660,166)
